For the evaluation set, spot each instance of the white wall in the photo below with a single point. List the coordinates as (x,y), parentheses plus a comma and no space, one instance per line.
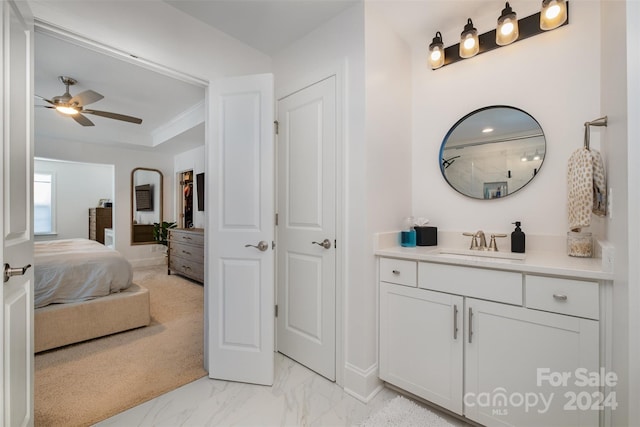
(633,160)
(123,161)
(190,160)
(77,187)
(554,76)
(374,124)
(622,165)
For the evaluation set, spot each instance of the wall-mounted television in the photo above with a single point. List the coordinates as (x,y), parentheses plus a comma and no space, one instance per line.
(200,190)
(144,197)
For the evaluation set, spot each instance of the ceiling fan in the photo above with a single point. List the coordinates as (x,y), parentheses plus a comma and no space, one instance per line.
(74,105)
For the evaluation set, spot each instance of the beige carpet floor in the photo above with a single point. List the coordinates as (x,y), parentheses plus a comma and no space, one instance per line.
(81,384)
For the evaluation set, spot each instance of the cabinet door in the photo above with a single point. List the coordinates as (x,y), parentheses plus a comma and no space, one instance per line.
(421,343)
(514,356)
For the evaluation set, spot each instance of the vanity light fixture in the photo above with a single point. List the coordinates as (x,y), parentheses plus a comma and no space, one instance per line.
(469,41)
(536,156)
(436,52)
(526,27)
(524,157)
(553,14)
(507,29)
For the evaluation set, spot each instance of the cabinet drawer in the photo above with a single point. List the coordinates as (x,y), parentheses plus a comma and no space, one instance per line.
(195,253)
(188,268)
(565,296)
(500,286)
(186,237)
(398,271)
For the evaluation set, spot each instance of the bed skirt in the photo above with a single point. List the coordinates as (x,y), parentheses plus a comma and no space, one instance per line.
(57,325)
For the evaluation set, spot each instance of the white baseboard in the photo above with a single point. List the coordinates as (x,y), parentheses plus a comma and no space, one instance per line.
(362,384)
(148,262)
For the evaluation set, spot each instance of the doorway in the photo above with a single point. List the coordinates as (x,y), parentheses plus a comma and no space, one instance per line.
(306,227)
(185,199)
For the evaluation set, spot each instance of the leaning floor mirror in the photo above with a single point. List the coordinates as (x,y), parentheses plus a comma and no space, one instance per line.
(146,204)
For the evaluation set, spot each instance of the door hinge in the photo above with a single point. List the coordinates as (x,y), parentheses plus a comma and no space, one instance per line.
(276,126)
(276,310)
(276,219)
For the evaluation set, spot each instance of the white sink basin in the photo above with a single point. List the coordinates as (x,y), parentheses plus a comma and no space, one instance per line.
(484,254)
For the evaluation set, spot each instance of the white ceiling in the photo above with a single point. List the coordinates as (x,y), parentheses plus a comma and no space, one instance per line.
(127,88)
(267,25)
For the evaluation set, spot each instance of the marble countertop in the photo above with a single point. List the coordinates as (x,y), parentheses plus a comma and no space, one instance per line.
(539,262)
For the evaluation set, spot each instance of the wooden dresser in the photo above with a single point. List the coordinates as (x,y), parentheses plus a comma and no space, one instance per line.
(186,252)
(99,219)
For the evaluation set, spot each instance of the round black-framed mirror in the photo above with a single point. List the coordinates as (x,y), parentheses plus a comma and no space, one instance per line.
(492,152)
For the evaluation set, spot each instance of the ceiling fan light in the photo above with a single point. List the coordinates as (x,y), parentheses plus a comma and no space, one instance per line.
(507,29)
(67,110)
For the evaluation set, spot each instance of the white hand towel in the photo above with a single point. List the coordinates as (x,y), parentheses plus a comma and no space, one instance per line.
(580,189)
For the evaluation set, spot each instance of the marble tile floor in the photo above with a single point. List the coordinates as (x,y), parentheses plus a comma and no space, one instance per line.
(298,397)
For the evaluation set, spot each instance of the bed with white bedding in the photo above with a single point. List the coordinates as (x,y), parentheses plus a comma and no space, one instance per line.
(83,290)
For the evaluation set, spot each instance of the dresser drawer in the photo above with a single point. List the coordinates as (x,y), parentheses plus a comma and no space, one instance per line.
(188,268)
(186,237)
(185,250)
(398,271)
(493,285)
(565,296)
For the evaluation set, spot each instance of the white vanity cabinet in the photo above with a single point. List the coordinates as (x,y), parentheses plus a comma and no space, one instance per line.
(488,344)
(505,346)
(421,343)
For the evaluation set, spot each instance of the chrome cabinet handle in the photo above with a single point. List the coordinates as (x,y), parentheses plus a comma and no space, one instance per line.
(560,297)
(262,246)
(9,271)
(455,322)
(470,324)
(326,243)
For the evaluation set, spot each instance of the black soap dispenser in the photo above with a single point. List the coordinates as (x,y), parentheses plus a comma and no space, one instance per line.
(517,239)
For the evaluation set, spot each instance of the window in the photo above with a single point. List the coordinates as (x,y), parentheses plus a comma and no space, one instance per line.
(43,203)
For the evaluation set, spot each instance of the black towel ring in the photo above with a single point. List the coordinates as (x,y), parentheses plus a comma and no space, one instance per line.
(602,121)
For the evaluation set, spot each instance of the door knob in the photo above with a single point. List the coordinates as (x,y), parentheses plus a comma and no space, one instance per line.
(9,271)
(326,243)
(262,246)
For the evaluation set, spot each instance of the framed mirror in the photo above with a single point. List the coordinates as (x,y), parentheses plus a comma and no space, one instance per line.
(492,152)
(146,204)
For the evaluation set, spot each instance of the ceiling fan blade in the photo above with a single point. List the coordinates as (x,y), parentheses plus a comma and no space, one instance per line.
(86,97)
(45,99)
(82,120)
(115,116)
(45,106)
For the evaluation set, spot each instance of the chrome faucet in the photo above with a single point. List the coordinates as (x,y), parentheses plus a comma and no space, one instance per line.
(482,242)
(478,240)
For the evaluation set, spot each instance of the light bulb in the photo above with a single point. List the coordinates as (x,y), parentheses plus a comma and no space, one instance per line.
(553,14)
(507,31)
(469,43)
(67,110)
(436,52)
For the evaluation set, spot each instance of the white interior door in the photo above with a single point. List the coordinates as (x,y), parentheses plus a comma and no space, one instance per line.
(241,213)
(306,228)
(16,181)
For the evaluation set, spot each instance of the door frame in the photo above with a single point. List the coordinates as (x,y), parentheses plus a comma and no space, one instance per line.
(338,71)
(65,34)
